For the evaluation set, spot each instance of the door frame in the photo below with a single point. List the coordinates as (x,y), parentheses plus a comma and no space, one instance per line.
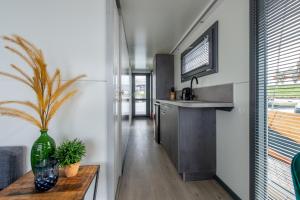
(256,9)
(252,90)
(148,94)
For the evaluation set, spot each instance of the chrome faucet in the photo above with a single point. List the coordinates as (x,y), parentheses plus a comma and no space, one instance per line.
(191,94)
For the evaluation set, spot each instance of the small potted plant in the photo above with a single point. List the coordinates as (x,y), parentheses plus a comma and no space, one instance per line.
(69,155)
(172,94)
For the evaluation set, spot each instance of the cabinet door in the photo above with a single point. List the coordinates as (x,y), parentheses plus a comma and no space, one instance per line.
(163,127)
(169,131)
(173,134)
(164,75)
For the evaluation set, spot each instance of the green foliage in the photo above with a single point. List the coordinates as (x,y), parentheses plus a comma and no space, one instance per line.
(70,152)
(284,91)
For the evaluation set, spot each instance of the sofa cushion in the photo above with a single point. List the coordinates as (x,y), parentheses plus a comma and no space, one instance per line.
(12,164)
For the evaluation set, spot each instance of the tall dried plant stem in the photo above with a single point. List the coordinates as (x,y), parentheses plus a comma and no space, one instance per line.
(51,94)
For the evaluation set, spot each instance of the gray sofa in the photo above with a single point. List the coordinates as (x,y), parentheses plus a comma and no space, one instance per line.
(12,164)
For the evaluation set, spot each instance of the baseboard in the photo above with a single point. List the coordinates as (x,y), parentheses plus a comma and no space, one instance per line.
(230,191)
(118,188)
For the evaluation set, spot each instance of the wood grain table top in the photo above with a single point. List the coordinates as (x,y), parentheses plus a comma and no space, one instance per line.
(73,188)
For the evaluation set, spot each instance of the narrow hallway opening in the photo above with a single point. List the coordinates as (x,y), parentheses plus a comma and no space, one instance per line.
(149,174)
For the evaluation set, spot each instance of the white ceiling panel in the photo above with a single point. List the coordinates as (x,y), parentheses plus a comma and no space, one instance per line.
(155,26)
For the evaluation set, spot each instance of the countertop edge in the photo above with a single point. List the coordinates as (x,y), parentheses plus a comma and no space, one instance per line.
(198,104)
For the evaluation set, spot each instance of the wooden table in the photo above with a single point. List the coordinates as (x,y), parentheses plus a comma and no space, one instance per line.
(73,188)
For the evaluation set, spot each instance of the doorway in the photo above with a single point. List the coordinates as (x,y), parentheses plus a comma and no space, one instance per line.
(141,95)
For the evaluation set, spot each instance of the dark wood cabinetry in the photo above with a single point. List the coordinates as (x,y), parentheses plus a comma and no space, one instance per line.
(169,138)
(189,137)
(163,75)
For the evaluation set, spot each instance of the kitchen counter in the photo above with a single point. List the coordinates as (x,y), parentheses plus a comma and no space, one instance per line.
(188,134)
(197,104)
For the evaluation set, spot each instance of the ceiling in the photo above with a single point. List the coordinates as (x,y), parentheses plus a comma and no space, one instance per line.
(155,26)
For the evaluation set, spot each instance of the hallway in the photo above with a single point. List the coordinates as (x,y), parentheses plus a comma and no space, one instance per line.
(150,175)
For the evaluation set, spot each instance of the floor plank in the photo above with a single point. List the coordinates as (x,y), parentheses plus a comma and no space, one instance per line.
(150,175)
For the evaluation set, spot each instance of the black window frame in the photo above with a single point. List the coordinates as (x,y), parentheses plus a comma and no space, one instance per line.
(212,67)
(253,37)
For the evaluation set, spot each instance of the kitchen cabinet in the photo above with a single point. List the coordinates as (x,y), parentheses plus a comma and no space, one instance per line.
(169,138)
(163,75)
(188,135)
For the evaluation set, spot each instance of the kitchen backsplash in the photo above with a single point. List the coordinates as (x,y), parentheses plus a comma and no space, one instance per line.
(219,93)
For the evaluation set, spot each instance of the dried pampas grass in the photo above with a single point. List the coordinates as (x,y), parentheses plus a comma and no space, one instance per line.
(51,93)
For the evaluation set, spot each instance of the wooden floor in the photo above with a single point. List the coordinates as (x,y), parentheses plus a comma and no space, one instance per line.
(149,174)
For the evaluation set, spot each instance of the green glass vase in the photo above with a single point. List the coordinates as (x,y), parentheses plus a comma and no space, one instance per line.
(43,162)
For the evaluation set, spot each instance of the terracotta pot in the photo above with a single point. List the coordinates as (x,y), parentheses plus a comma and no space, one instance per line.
(72,170)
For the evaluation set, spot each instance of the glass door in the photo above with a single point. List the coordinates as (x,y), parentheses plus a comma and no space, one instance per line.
(275,118)
(141,95)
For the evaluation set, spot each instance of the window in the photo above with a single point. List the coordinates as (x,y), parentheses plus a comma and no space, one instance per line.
(275,117)
(200,58)
(125,94)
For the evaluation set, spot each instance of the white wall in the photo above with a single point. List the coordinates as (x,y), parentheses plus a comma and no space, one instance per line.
(72,34)
(113,98)
(232,127)
(125,71)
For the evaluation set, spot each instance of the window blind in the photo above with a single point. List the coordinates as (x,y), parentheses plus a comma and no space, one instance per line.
(197,57)
(201,57)
(277,110)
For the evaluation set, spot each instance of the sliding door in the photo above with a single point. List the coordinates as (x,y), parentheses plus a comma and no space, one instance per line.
(275,97)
